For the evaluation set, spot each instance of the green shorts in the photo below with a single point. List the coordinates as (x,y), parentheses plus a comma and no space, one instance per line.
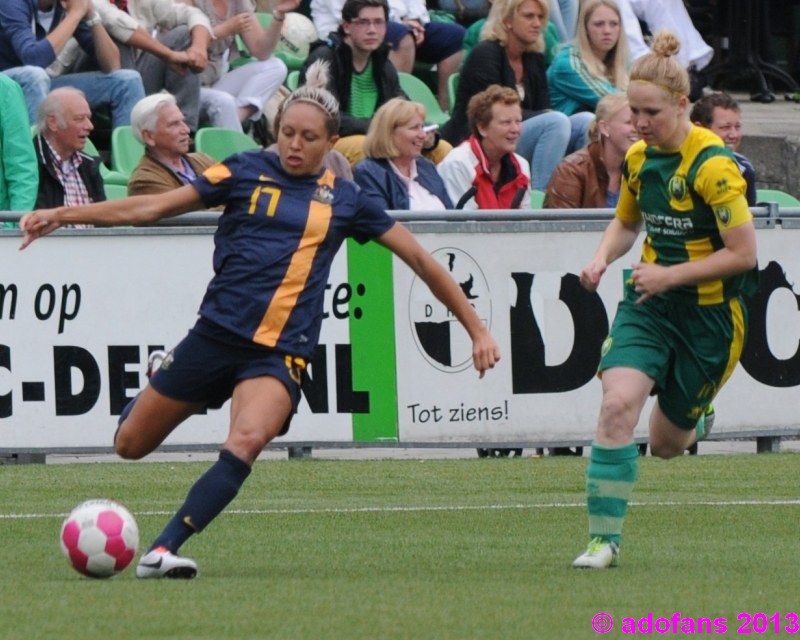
(688,350)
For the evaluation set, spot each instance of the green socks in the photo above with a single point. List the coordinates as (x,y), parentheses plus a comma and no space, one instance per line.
(609,483)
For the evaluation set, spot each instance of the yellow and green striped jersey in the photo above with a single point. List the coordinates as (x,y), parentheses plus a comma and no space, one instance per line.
(685,197)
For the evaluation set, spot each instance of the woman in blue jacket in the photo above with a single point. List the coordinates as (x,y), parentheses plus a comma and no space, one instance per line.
(394,172)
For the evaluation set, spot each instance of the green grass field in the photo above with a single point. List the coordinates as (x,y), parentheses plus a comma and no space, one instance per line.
(411,549)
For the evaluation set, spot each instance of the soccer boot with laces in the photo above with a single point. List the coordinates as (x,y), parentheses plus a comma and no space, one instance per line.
(162,563)
(600,554)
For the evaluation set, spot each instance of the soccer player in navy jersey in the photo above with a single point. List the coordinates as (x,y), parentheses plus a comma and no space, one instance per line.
(284,219)
(680,328)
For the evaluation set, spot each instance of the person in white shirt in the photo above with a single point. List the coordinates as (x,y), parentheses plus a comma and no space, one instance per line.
(168,61)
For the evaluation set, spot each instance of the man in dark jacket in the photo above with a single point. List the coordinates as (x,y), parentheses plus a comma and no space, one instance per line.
(67,175)
(360,74)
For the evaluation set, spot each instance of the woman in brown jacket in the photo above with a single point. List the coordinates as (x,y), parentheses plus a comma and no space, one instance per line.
(590,177)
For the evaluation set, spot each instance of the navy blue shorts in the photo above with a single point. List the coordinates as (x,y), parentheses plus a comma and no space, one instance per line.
(442,40)
(209,362)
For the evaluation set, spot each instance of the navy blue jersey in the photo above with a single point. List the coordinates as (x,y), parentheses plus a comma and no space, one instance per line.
(274,246)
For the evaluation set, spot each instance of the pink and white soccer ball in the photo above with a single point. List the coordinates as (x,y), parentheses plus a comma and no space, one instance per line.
(99,538)
(297,33)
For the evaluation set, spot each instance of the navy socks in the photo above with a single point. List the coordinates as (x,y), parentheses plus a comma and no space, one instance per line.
(212,492)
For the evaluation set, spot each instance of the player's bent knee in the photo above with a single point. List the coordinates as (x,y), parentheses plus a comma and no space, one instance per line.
(665,451)
(127,447)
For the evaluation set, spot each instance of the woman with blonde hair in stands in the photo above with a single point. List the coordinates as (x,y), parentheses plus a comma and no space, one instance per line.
(590,178)
(595,64)
(394,171)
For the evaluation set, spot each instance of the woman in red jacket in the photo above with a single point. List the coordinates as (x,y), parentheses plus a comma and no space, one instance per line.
(484,172)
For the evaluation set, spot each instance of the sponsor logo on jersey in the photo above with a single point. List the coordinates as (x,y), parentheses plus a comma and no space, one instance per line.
(677,188)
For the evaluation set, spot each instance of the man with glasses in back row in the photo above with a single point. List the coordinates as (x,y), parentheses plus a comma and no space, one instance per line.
(412,35)
(360,75)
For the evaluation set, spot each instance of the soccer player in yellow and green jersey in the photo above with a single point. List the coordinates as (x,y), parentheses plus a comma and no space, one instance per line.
(680,328)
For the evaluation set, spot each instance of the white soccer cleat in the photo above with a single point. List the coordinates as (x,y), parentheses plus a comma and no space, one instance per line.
(600,554)
(162,563)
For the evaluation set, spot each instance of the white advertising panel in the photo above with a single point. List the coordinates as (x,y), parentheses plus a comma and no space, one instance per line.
(80,311)
(525,285)
(79,315)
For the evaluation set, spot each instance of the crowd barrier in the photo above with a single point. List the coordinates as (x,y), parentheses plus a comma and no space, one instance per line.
(81,309)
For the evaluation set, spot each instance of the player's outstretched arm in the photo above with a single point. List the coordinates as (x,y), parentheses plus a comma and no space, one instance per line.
(485,351)
(133,210)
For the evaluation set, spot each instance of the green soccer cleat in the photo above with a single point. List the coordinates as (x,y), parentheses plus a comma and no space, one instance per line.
(600,554)
(705,423)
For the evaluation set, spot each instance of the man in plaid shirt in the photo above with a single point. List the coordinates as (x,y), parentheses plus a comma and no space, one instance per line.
(67,176)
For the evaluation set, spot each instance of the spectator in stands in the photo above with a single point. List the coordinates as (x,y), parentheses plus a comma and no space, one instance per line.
(414,37)
(411,35)
(169,61)
(564,17)
(590,178)
(550,36)
(721,113)
(67,176)
(511,55)
(19,176)
(695,53)
(360,74)
(33,34)
(232,97)
(483,172)
(595,65)
(161,127)
(394,172)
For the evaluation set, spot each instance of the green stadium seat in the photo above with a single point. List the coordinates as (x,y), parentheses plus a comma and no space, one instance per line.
(452,86)
(418,91)
(220,143)
(126,150)
(292,80)
(537,199)
(115,191)
(781,198)
(109,176)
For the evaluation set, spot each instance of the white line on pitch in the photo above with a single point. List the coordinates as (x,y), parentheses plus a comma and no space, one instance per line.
(489,507)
